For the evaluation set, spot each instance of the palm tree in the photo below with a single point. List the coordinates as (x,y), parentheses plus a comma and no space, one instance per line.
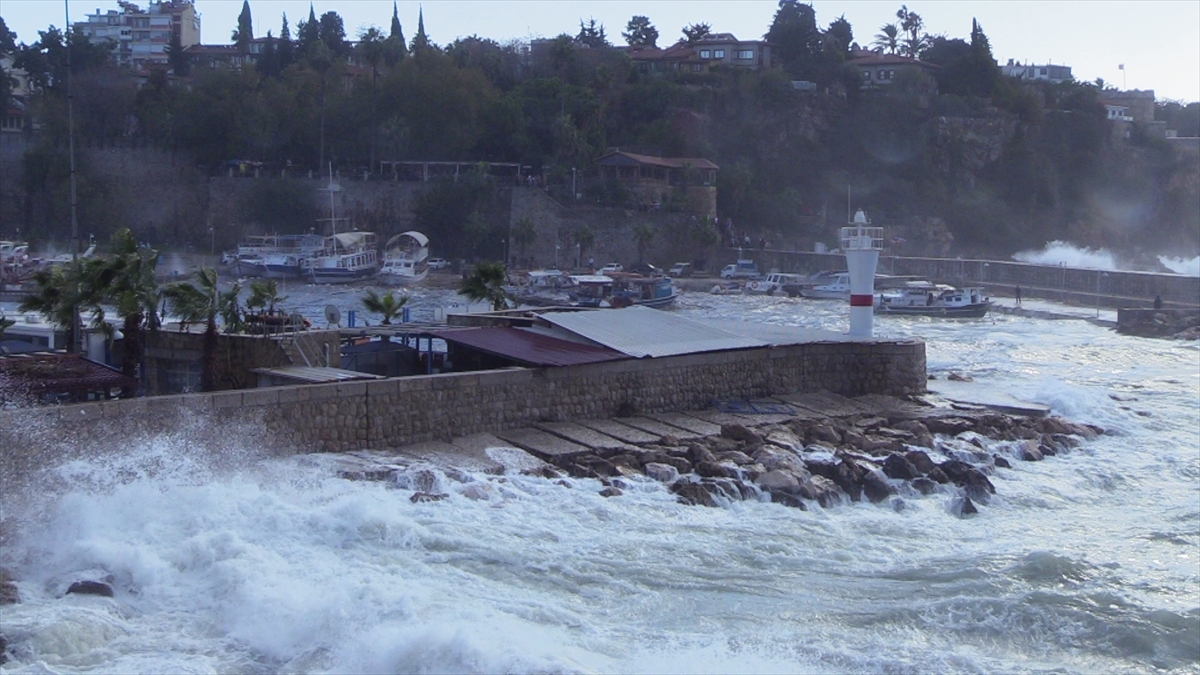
(65,293)
(202,302)
(888,38)
(264,294)
(388,305)
(486,282)
(126,281)
(643,234)
(5,324)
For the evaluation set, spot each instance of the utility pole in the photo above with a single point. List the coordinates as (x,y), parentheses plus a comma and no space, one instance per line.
(74,200)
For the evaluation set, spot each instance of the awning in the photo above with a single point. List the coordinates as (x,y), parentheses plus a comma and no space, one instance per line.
(527,347)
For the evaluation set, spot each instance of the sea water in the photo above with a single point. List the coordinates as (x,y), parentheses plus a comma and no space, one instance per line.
(1085,562)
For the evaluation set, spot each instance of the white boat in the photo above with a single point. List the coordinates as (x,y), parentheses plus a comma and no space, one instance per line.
(622,290)
(924,298)
(834,287)
(772,283)
(274,256)
(345,258)
(541,288)
(405,259)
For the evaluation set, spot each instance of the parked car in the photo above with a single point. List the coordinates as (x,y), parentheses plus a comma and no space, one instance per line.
(612,267)
(438,263)
(742,269)
(680,269)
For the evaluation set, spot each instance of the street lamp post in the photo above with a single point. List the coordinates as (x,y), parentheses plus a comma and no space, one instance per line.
(556,256)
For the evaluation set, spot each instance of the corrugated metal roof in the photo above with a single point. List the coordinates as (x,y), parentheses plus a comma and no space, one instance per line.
(528,347)
(52,372)
(641,331)
(315,375)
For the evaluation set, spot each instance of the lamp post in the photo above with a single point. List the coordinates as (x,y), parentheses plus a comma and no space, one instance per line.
(556,256)
(1099,274)
(573,193)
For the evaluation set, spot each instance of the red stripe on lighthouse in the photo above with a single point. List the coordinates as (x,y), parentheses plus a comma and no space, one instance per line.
(862,300)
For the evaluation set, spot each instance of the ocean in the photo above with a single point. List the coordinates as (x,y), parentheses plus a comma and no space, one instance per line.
(1086,562)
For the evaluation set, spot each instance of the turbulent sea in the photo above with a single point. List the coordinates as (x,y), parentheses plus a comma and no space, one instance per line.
(1087,562)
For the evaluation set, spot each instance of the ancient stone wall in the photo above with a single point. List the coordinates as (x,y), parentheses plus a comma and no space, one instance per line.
(400,411)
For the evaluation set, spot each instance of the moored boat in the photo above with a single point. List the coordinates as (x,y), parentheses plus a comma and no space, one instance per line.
(345,258)
(622,290)
(405,259)
(772,283)
(924,298)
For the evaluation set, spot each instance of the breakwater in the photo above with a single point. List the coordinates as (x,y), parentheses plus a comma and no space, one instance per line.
(1068,285)
(401,411)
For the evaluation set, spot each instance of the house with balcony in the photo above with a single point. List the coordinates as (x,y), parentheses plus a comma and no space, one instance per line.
(656,182)
(717,49)
(142,36)
(882,70)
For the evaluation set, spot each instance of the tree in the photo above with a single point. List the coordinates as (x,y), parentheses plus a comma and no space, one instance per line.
(196,302)
(126,281)
(839,36)
(486,283)
(285,53)
(308,33)
(244,33)
(643,234)
(388,305)
(8,48)
(5,324)
(396,46)
(523,234)
(639,32)
(264,295)
(372,49)
(592,35)
(696,32)
(333,33)
(66,293)
(420,41)
(914,41)
(888,38)
(794,30)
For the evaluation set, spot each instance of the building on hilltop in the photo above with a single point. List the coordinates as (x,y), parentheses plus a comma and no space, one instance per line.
(1030,73)
(717,49)
(142,36)
(881,70)
(1139,105)
(656,181)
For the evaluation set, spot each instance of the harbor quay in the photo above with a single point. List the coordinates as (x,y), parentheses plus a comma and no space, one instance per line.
(401,411)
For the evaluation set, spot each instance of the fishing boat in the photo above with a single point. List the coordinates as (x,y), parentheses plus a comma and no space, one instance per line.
(623,290)
(541,288)
(274,256)
(772,283)
(835,286)
(344,258)
(924,298)
(405,259)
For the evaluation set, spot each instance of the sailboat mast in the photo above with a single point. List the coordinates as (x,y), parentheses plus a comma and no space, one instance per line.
(332,212)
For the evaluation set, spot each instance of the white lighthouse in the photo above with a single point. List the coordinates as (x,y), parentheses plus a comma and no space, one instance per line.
(862,244)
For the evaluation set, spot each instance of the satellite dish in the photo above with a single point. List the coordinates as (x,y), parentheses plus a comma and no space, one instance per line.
(333,315)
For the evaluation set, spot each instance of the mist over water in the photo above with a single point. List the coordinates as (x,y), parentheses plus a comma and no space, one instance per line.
(1181,266)
(1085,562)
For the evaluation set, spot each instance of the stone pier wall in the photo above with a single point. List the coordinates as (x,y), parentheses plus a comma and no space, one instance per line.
(401,411)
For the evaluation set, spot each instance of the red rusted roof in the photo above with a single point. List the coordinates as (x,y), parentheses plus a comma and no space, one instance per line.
(528,347)
(52,372)
(620,157)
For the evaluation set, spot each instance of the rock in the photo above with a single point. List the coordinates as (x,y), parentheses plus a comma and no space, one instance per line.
(628,472)
(741,433)
(563,483)
(875,487)
(694,494)
(924,485)
(788,437)
(545,471)
(717,470)
(698,454)
(91,588)
(423,480)
(8,590)
(955,377)
(598,464)
(951,426)
(781,481)
(821,489)
(663,473)
(736,456)
(611,492)
(963,506)
(965,474)
(854,439)
(1047,446)
(625,459)
(896,466)
(825,433)
(423,497)
(681,465)
(669,439)
(729,488)
(938,475)
(913,427)
(478,491)
(788,500)
(1001,462)
(1052,425)
(878,445)
(773,457)
(920,460)
(1028,451)
(1066,441)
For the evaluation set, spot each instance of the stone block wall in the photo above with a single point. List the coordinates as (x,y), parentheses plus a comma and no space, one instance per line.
(400,411)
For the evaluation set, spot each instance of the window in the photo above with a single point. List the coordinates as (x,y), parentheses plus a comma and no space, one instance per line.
(718,53)
(891,74)
(745,54)
(866,75)
(696,67)
(882,75)
(704,54)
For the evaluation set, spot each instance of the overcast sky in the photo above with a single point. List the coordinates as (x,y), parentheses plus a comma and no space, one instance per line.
(1158,41)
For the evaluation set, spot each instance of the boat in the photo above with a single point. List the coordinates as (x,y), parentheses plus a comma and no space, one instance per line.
(345,258)
(835,286)
(924,298)
(274,256)
(541,288)
(772,283)
(622,290)
(405,259)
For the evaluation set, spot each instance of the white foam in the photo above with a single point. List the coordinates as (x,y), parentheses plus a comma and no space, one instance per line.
(1181,265)
(1068,255)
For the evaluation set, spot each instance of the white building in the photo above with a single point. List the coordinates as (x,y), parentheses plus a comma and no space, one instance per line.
(143,35)
(1045,73)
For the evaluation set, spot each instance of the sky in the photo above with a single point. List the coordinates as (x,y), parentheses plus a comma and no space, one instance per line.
(1158,41)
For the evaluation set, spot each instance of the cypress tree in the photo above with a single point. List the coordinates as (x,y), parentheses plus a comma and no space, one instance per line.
(245,30)
(284,50)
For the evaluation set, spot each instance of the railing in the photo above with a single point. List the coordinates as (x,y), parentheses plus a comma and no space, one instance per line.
(862,238)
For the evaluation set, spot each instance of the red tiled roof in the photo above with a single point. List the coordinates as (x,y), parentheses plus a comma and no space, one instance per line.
(667,162)
(50,373)
(528,347)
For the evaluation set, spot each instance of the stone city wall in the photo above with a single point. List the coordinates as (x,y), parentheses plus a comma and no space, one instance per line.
(400,411)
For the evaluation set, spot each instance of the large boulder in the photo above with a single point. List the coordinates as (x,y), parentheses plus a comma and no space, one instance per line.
(896,466)
(779,481)
(1030,451)
(698,454)
(736,456)
(8,590)
(694,494)
(88,587)
(875,486)
(740,433)
(920,459)
(821,489)
(773,457)
(951,426)
(824,433)
(663,473)
(717,469)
